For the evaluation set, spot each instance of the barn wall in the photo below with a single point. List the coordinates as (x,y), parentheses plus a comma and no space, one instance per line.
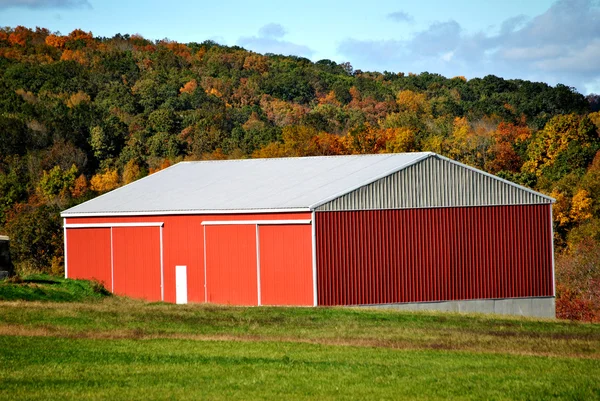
(183,244)
(436,254)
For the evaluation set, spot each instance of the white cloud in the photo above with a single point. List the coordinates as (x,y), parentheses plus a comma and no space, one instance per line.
(400,16)
(561,45)
(272,30)
(45,4)
(269,40)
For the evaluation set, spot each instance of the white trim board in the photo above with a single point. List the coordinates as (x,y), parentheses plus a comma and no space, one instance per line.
(185,212)
(112,225)
(253,222)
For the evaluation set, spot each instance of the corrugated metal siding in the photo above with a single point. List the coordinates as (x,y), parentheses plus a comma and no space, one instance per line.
(286,265)
(89,255)
(436,254)
(434,182)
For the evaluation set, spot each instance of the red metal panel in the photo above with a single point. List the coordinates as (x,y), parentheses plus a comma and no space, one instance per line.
(183,244)
(88,254)
(286,264)
(231,271)
(419,255)
(136,262)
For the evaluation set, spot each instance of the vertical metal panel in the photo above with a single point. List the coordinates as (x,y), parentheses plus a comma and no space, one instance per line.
(231,264)
(88,253)
(438,254)
(137,262)
(65,248)
(434,182)
(286,265)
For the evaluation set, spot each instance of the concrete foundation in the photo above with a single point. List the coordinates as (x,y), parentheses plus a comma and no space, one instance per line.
(534,307)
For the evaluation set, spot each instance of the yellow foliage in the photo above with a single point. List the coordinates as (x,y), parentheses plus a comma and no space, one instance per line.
(29,97)
(560,210)
(402,140)
(105,181)
(131,172)
(595,117)
(413,102)
(215,92)
(433,143)
(581,206)
(273,149)
(78,98)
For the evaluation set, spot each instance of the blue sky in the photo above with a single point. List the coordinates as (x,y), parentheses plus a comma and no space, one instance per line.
(554,41)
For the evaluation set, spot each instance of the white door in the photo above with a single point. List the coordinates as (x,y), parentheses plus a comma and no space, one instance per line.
(181,284)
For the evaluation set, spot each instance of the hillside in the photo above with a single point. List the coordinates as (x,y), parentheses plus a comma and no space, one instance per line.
(81,115)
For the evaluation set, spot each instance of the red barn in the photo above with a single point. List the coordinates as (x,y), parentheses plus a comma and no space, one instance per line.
(408,230)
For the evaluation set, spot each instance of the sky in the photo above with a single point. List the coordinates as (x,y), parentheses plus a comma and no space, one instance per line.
(552,41)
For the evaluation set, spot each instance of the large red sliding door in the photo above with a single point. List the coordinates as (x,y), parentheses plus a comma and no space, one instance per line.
(88,255)
(231,264)
(257,263)
(285,265)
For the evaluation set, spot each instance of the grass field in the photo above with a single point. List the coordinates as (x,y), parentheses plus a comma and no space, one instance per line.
(116,348)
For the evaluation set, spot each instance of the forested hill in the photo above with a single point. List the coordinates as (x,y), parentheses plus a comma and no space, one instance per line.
(81,115)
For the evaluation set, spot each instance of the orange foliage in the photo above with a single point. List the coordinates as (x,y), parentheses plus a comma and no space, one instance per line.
(163,165)
(372,109)
(367,139)
(256,62)
(282,113)
(325,144)
(178,48)
(189,87)
(246,93)
(253,123)
(74,55)
(78,34)
(502,152)
(56,41)
(80,187)
(570,305)
(20,36)
(329,98)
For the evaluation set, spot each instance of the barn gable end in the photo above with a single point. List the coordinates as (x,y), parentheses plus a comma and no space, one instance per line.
(435,181)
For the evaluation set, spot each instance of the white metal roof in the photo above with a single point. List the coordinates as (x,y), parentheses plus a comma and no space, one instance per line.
(280,184)
(249,185)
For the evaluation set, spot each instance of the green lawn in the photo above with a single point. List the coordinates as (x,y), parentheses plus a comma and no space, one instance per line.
(116,348)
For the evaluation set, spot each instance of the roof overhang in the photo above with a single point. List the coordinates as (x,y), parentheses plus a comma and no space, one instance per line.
(184,212)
